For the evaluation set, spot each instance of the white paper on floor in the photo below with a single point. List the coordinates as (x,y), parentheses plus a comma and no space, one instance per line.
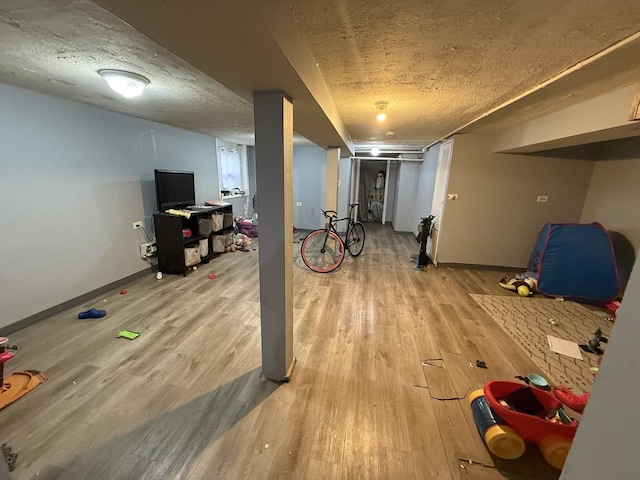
(564,347)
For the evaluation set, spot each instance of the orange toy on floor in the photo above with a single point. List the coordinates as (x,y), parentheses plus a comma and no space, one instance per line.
(17,384)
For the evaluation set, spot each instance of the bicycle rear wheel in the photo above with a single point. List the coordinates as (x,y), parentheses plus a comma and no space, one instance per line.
(355,239)
(322,256)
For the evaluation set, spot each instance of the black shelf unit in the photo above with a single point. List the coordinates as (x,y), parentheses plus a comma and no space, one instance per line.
(171,243)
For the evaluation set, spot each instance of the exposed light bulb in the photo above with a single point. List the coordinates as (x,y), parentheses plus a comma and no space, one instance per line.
(127,84)
(381,106)
(375,151)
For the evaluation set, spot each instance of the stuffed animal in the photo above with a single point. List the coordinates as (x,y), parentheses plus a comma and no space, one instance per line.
(242,240)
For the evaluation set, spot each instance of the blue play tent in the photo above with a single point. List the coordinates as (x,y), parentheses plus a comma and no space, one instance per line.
(575,261)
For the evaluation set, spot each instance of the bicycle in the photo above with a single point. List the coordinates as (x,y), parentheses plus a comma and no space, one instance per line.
(323,250)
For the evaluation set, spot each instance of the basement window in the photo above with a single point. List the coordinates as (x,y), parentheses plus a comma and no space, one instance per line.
(232,171)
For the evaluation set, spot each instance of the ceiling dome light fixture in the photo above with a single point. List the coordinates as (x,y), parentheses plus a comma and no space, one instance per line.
(125,83)
(375,151)
(380,108)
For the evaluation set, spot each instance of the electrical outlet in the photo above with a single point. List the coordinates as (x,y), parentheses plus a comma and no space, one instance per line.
(147,249)
(298,204)
(137,225)
(542,198)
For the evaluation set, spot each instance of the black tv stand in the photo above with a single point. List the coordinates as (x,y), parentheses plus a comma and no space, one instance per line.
(171,243)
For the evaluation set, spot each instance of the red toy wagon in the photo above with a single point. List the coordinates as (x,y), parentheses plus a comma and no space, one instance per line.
(508,414)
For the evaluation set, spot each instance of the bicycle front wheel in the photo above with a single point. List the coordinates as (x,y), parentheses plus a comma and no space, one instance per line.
(322,251)
(355,239)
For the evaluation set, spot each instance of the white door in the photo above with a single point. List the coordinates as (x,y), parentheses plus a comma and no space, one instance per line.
(440,196)
(355,185)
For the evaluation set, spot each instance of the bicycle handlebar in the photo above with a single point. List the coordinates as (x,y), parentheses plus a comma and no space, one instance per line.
(333,213)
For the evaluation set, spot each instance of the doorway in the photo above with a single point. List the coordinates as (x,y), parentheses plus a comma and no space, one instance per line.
(374,187)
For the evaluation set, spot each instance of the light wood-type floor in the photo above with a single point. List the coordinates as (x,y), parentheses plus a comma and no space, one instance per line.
(186,401)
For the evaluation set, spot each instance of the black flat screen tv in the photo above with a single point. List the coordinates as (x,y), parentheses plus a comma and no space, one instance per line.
(174,189)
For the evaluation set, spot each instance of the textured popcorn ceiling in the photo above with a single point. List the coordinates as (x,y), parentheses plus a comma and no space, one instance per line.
(58,49)
(440,65)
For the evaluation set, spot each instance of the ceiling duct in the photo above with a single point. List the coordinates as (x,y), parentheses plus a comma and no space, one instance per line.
(396,150)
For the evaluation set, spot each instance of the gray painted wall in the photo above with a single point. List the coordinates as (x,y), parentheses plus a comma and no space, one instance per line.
(408,175)
(309,177)
(496,218)
(606,444)
(613,198)
(426,185)
(74,178)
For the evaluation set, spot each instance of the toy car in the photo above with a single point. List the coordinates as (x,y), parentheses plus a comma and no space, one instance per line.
(508,414)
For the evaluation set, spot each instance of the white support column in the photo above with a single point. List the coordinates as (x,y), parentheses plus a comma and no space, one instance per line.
(333,164)
(386,191)
(357,189)
(273,121)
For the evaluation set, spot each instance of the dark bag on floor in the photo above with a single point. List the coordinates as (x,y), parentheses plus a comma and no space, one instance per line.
(248,228)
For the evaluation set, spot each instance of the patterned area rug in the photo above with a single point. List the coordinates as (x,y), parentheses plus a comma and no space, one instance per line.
(526,320)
